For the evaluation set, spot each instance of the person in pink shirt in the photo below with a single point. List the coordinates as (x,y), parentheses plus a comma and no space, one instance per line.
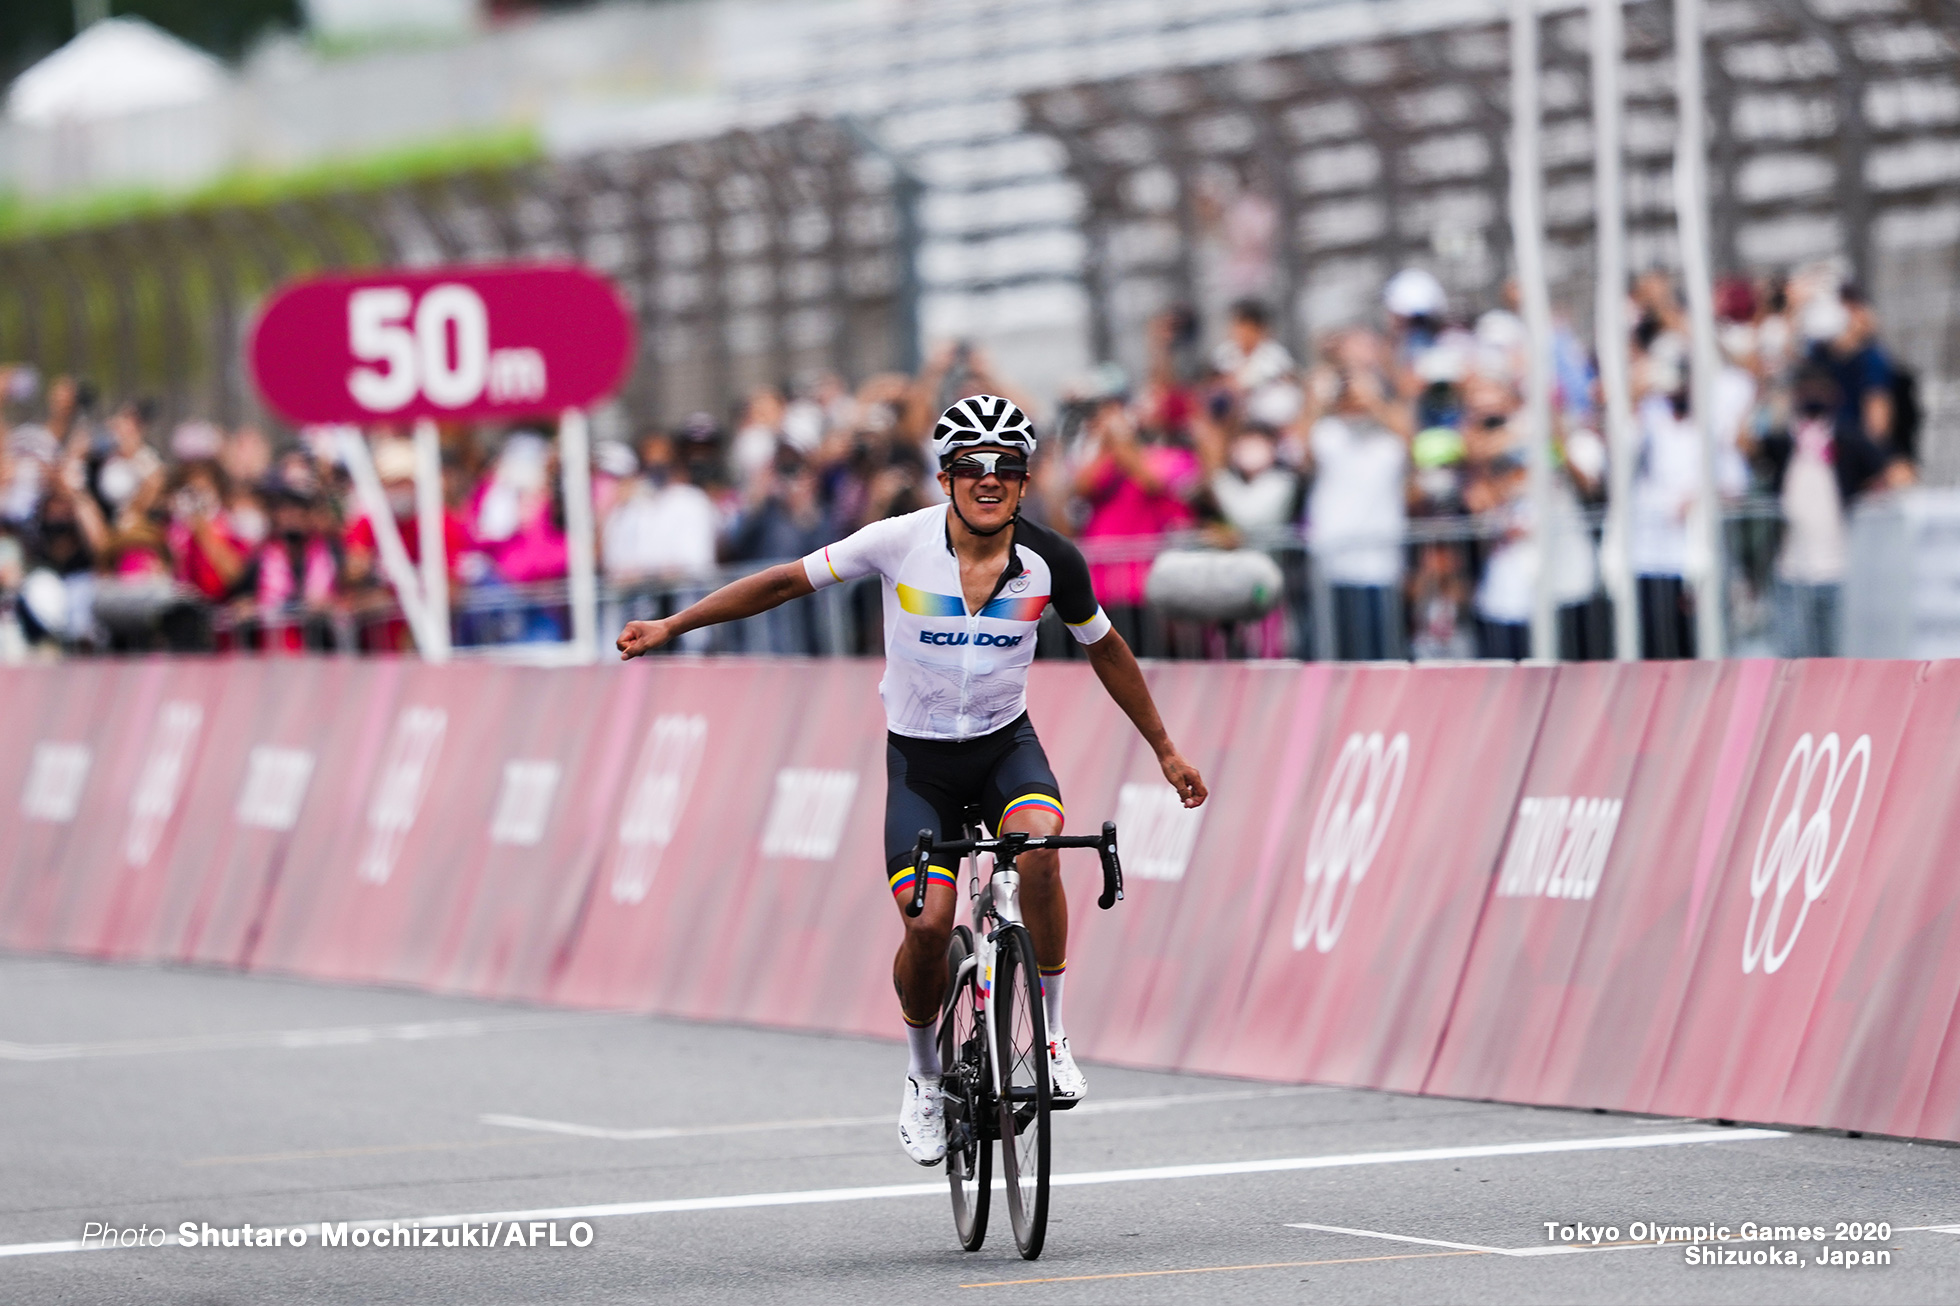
(208,557)
(298,570)
(515,515)
(1138,490)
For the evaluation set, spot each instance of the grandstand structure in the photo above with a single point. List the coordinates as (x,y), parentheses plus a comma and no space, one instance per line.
(1088,164)
(1041,177)
(748,256)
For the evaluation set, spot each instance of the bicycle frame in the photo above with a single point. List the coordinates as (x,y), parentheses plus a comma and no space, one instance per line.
(999,903)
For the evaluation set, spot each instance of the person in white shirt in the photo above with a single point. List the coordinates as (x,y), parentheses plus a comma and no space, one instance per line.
(661,533)
(1248,357)
(1667,483)
(965,586)
(662,528)
(1357,510)
(131,461)
(1811,563)
(1255,492)
(1509,589)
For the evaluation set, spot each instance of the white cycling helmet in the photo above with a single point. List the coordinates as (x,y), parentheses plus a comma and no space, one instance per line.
(982,420)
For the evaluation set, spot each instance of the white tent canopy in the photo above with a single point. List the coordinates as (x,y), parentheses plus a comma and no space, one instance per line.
(117,66)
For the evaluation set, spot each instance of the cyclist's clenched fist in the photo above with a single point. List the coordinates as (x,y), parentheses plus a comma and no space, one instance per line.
(642,637)
(1184,778)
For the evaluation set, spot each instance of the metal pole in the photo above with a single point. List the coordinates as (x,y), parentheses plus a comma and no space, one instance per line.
(387,536)
(1691,224)
(1534,297)
(1610,323)
(908,193)
(575,465)
(432,540)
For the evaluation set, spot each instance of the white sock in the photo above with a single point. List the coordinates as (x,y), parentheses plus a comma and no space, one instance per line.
(923,1043)
(1051,1005)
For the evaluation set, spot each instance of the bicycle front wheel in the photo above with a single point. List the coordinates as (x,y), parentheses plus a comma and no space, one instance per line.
(1022,1040)
(964,1084)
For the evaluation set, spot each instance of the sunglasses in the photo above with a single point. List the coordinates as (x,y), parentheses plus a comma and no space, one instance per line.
(976,466)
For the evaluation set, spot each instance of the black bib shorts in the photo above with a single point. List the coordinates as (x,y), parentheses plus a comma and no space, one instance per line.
(931,782)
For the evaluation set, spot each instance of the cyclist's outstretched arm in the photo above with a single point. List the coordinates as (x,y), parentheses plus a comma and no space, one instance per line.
(737,599)
(1117,668)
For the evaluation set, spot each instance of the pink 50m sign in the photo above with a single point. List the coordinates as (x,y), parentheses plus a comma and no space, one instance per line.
(457,343)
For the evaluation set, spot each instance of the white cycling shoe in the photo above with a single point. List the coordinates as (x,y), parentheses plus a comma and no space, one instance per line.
(922,1121)
(1065,1082)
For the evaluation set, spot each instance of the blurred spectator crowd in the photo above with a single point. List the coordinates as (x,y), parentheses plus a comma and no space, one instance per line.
(1386,473)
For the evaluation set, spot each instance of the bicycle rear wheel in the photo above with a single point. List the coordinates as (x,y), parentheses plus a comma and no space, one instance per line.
(1022,1039)
(964,1084)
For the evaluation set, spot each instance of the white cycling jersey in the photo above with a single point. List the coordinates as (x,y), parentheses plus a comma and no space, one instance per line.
(950,673)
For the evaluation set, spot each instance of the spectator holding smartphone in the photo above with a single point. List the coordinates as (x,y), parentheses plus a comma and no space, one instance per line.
(1138,489)
(1357,511)
(298,568)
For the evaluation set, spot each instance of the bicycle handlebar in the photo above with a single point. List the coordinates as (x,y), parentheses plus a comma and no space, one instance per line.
(1016,844)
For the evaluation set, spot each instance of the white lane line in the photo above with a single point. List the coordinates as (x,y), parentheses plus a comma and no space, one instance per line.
(1092,1107)
(1423,1154)
(674,1131)
(42,1249)
(1096,1106)
(1560,1249)
(299,1039)
(1401,1238)
(821,1196)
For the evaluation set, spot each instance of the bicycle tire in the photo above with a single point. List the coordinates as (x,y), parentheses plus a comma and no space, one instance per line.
(1025,1102)
(964,1080)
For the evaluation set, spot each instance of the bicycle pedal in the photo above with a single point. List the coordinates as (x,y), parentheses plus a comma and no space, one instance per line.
(1063,1103)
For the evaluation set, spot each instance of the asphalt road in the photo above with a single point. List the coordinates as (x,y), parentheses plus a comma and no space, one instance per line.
(138,1097)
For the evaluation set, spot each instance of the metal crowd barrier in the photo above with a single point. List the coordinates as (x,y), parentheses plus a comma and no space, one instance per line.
(1429,616)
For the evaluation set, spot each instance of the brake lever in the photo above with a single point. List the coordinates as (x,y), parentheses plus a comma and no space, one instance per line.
(1112,868)
(920,861)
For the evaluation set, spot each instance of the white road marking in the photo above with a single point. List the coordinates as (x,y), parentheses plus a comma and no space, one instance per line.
(820,1196)
(1092,1107)
(41,1249)
(1557,1249)
(342,1036)
(674,1131)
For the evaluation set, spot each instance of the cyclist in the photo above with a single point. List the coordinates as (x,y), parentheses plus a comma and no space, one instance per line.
(964,589)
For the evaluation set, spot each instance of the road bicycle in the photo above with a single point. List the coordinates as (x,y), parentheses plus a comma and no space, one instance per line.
(993,1036)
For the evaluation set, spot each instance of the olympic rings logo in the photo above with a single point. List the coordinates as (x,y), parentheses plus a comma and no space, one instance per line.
(1799,845)
(1347,831)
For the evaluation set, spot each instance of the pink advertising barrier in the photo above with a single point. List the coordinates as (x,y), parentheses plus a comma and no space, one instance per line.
(1571,991)
(60,725)
(1704,889)
(1384,856)
(1801,921)
(1146,978)
(1759,929)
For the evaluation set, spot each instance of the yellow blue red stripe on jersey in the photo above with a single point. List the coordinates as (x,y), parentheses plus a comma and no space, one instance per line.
(901,882)
(1032,802)
(924,603)
(1013,609)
